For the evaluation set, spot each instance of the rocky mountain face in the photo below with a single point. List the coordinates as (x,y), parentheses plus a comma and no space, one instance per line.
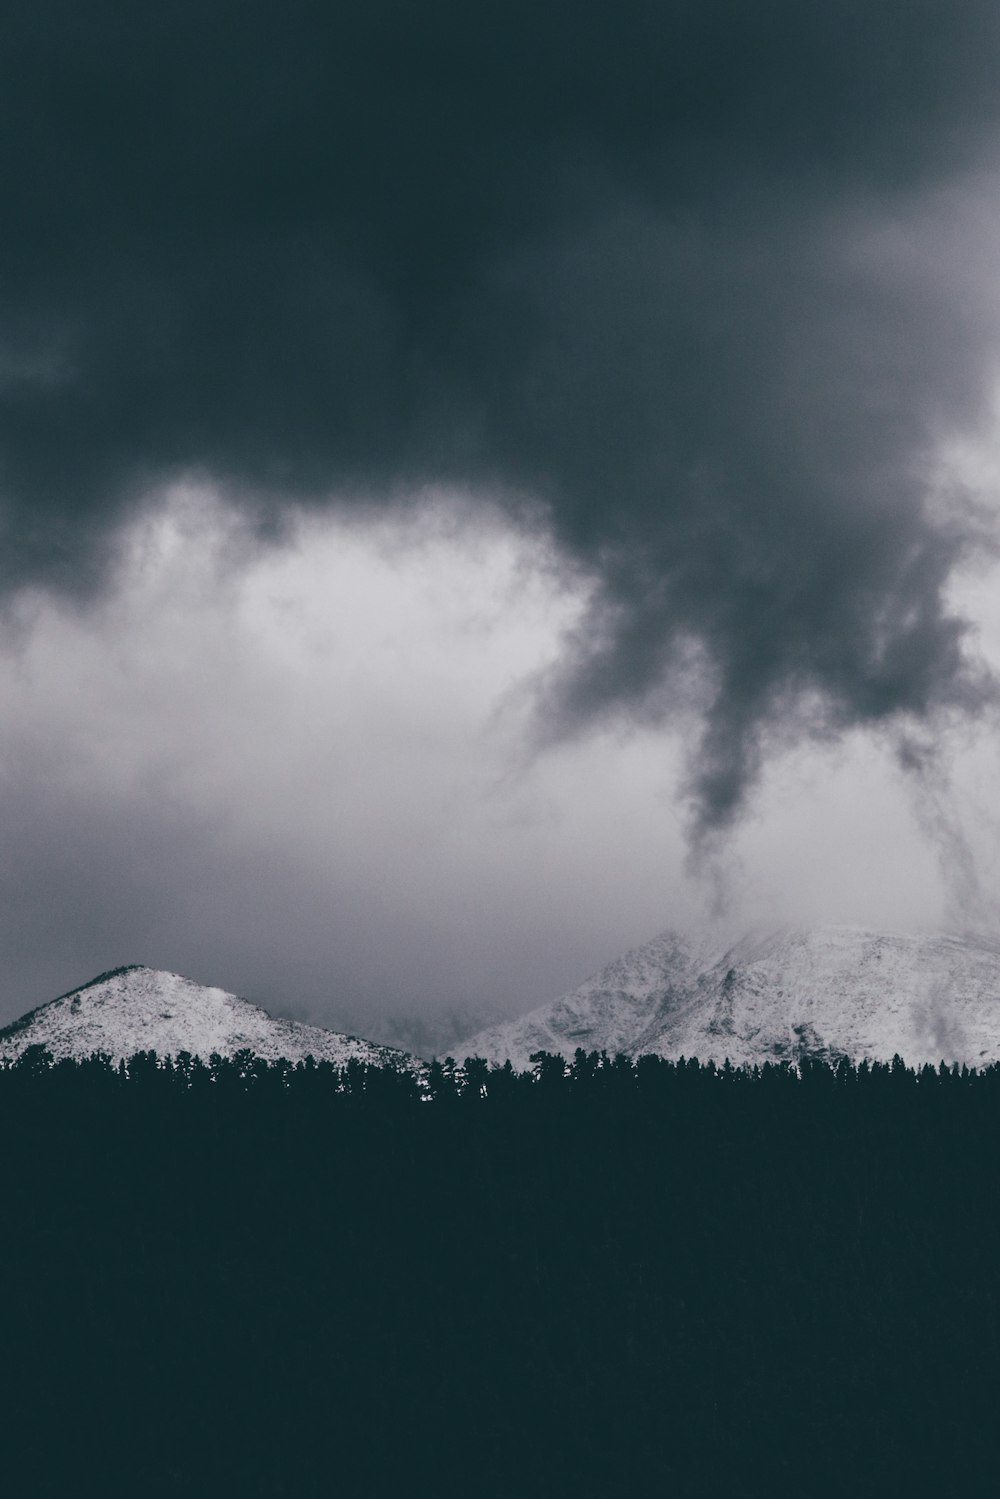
(134,1009)
(776,995)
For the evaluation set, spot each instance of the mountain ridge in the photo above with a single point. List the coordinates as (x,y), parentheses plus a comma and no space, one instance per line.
(773,994)
(134,1008)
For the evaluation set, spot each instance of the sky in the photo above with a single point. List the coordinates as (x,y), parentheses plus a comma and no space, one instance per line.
(480,485)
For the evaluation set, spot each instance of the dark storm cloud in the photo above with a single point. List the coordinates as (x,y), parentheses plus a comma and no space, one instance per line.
(672,270)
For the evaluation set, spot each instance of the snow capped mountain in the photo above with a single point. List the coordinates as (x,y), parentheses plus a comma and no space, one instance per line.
(134,1009)
(784,994)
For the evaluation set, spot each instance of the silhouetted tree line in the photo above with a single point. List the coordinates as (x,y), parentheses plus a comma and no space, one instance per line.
(597,1278)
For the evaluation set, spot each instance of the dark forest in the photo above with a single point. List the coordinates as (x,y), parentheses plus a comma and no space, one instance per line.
(597,1278)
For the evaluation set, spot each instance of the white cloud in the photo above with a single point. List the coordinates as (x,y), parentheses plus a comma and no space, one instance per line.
(299,772)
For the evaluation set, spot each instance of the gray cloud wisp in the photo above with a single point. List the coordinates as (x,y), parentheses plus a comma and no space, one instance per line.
(699,287)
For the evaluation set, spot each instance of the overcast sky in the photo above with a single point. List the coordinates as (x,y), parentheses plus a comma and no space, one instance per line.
(482,483)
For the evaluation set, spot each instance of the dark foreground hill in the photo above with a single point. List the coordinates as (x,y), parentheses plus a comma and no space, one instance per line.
(254,1281)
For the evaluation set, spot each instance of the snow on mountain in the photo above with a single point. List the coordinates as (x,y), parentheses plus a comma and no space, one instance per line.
(782,994)
(134,1009)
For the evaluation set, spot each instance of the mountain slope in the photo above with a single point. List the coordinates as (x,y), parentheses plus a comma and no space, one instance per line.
(782,994)
(135,1008)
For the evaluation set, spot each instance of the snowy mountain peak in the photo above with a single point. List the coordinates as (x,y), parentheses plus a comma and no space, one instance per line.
(777,994)
(135,1008)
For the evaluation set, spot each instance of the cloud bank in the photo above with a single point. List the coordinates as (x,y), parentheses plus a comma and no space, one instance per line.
(697,291)
(293,777)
